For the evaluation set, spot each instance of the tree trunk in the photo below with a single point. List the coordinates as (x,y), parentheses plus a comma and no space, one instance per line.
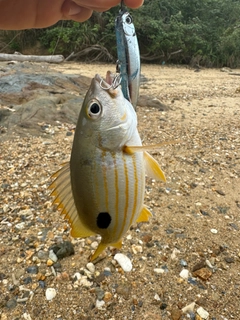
(22,57)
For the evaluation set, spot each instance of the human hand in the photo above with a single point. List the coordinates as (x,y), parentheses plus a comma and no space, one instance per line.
(28,14)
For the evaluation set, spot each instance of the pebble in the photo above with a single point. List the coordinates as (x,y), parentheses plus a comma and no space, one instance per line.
(124,290)
(203,273)
(50,294)
(32,269)
(90,266)
(176,314)
(124,262)
(183,263)
(189,308)
(159,270)
(202,313)
(42,255)
(11,304)
(94,245)
(214,231)
(63,249)
(99,304)
(53,256)
(184,274)
(137,249)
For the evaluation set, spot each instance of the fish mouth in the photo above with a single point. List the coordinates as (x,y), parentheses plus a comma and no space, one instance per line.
(112,81)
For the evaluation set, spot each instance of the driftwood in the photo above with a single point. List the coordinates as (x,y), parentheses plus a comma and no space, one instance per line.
(234,73)
(22,57)
(147,57)
(92,53)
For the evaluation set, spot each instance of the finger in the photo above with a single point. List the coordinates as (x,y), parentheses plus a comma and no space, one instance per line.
(72,11)
(134,4)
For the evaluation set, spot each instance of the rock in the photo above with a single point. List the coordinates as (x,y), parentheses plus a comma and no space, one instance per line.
(90,266)
(63,249)
(124,290)
(199,265)
(50,294)
(184,274)
(124,262)
(189,308)
(203,273)
(137,249)
(159,270)
(202,313)
(11,304)
(53,256)
(176,314)
(99,304)
(107,296)
(32,269)
(214,231)
(229,259)
(42,255)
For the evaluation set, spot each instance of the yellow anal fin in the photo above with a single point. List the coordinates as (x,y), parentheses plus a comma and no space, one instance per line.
(152,167)
(144,215)
(62,191)
(98,251)
(103,246)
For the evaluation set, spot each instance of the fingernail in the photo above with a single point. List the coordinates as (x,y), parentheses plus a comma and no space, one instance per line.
(74,9)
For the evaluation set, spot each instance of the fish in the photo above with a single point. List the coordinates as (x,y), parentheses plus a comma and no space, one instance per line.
(100,191)
(129,64)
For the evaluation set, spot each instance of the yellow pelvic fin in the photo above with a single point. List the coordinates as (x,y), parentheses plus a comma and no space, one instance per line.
(152,167)
(62,191)
(144,215)
(133,149)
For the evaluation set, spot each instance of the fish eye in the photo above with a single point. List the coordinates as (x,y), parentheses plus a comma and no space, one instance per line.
(129,19)
(94,109)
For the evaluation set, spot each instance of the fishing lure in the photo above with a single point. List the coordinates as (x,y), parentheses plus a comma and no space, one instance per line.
(128,55)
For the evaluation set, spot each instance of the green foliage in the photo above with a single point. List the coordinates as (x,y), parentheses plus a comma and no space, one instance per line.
(176,31)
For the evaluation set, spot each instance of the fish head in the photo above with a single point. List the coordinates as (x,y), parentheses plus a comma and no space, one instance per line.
(106,119)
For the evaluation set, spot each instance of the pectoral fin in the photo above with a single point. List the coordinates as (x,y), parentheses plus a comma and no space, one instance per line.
(152,167)
(144,215)
(62,191)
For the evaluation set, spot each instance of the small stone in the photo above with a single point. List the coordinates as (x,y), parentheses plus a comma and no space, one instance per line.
(90,266)
(203,273)
(62,250)
(27,280)
(183,263)
(124,262)
(11,304)
(176,314)
(53,256)
(189,308)
(214,231)
(199,265)
(100,293)
(184,274)
(159,270)
(124,290)
(32,269)
(42,255)
(107,296)
(94,245)
(202,313)
(220,192)
(229,259)
(100,304)
(147,237)
(50,294)
(49,262)
(137,249)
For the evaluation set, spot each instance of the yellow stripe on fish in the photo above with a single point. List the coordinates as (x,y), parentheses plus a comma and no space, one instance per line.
(101,190)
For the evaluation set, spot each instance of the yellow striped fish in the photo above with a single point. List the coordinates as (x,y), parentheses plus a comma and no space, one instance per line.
(101,190)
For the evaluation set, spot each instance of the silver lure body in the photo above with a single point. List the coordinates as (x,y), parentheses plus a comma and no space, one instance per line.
(128,56)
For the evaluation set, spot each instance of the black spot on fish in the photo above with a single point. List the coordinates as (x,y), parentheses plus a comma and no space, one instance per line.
(103,220)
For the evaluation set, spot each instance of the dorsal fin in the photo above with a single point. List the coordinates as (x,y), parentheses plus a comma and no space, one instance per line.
(62,191)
